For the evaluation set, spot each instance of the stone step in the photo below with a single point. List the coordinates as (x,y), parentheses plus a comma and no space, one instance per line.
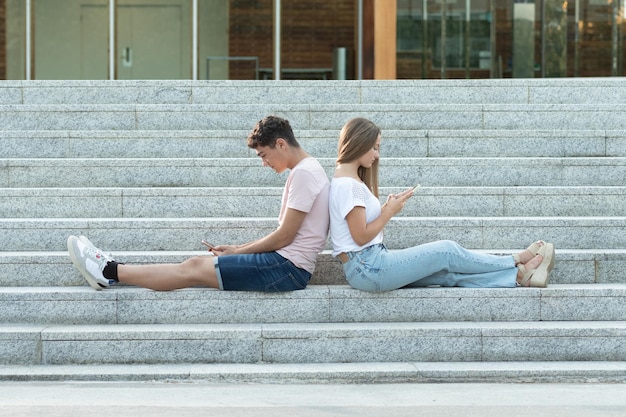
(254,343)
(501,163)
(185,234)
(520,91)
(121,305)
(49,269)
(312,116)
(181,202)
(320,143)
(233,172)
(335,373)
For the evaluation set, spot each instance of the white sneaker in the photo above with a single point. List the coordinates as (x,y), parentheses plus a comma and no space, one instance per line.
(90,261)
(87,242)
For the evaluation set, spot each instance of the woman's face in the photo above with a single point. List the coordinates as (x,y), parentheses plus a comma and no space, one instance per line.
(369,157)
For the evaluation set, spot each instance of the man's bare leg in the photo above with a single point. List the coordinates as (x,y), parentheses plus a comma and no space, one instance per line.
(196,271)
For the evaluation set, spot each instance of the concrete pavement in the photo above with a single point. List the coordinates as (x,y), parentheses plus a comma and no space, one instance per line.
(156,399)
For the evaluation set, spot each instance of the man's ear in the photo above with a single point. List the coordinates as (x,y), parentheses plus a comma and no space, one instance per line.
(281,143)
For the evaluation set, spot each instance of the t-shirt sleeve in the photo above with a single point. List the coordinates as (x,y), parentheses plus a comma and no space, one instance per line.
(353,195)
(303,189)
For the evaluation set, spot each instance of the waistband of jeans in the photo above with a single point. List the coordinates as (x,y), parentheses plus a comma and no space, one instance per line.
(344,257)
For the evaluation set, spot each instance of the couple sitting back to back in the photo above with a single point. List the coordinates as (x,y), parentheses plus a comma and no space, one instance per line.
(284,260)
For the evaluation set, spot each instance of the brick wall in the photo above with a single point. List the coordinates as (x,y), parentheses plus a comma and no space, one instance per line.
(311,30)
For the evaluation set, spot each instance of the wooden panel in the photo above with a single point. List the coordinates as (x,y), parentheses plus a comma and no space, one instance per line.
(3,40)
(385,18)
(368,40)
(379,39)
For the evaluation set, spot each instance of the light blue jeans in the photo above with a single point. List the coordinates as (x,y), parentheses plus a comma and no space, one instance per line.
(444,263)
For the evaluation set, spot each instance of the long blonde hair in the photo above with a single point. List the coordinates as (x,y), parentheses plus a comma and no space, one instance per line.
(357,137)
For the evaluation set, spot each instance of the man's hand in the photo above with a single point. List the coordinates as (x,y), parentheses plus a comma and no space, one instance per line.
(224,250)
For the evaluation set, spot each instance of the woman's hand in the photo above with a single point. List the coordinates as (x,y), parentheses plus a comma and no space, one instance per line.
(395,202)
(408,192)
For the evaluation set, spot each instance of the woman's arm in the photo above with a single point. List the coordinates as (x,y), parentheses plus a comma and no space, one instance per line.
(363,232)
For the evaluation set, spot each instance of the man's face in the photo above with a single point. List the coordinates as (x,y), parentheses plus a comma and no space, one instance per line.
(275,157)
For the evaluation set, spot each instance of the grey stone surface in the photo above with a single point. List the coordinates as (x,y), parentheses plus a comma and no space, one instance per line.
(245,202)
(4,173)
(140,202)
(213,306)
(151,344)
(334,342)
(282,93)
(47,306)
(64,117)
(172,234)
(434,92)
(235,172)
(580,90)
(99,92)
(553,116)
(142,167)
(440,305)
(312,116)
(555,341)
(316,304)
(141,172)
(615,143)
(396,343)
(508,232)
(604,303)
(20,345)
(320,143)
(10,94)
(520,143)
(590,373)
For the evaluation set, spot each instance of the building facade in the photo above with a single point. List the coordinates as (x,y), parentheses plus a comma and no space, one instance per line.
(353,39)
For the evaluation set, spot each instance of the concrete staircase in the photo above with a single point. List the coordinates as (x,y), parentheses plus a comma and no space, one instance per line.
(148,169)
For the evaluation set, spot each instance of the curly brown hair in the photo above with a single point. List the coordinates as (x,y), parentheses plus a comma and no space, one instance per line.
(268,130)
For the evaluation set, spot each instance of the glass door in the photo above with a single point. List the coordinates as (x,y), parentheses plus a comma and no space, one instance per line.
(70,39)
(444,39)
(153,39)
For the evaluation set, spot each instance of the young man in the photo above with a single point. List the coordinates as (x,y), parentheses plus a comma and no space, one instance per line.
(281,261)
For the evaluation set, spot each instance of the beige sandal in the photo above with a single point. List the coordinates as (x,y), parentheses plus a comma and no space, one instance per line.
(539,276)
(533,249)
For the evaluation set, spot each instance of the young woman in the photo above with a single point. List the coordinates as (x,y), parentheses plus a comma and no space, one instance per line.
(357,220)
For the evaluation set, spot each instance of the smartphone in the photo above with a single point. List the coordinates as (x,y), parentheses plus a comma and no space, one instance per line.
(416,187)
(208,245)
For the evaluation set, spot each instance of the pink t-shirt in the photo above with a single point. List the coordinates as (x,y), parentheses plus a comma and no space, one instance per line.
(306,190)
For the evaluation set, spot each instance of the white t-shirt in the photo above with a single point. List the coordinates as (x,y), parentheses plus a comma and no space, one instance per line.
(345,194)
(306,190)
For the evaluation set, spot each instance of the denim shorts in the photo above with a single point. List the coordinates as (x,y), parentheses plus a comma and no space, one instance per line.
(266,272)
